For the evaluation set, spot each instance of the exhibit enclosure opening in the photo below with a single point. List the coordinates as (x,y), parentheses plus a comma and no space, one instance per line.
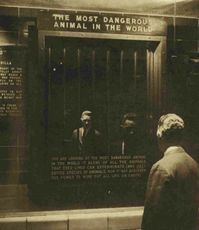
(97,116)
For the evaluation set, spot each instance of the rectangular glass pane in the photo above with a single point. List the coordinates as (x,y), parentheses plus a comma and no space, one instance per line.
(97,146)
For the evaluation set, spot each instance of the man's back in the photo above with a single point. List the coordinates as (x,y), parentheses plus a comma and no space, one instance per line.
(172,193)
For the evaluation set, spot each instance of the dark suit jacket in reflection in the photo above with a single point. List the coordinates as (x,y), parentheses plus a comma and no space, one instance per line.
(91,144)
(172,193)
(136,145)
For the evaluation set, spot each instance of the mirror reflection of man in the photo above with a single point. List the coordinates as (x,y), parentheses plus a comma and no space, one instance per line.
(86,139)
(129,135)
(129,139)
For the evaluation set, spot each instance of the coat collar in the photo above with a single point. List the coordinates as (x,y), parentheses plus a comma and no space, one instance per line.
(173,149)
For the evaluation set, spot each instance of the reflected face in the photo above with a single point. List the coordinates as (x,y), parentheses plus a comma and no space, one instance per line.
(86,121)
(128,128)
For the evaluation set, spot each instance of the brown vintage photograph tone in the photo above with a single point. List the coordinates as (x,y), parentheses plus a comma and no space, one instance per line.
(99,107)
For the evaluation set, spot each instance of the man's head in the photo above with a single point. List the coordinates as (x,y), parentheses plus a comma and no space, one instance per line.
(86,119)
(128,124)
(170,129)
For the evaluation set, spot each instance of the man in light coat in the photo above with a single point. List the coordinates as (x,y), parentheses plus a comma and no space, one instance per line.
(173,184)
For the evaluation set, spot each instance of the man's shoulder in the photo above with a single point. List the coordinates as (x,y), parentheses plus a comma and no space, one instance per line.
(75,132)
(160,167)
(177,160)
(178,155)
(159,173)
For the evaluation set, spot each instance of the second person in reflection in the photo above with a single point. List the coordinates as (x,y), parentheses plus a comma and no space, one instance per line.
(129,142)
